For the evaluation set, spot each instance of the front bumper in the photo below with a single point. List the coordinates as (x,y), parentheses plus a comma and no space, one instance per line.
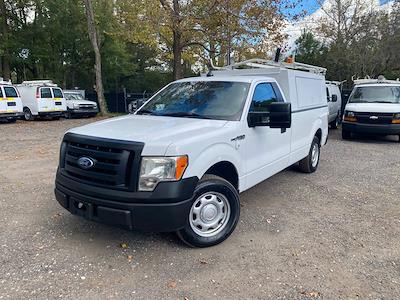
(83,112)
(384,129)
(163,210)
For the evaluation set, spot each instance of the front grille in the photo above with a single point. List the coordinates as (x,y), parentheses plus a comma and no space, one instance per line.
(86,106)
(116,163)
(374,118)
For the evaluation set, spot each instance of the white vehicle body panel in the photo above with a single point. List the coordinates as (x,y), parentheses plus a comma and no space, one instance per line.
(334,107)
(9,104)
(256,153)
(31,96)
(71,103)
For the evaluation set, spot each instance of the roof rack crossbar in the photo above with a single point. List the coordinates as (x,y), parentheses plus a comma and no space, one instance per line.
(265,64)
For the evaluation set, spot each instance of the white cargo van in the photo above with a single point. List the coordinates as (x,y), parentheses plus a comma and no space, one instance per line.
(42,99)
(180,162)
(10,102)
(373,107)
(334,102)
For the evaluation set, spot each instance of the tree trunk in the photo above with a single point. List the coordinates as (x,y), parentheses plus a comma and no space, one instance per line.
(177,63)
(94,38)
(5,66)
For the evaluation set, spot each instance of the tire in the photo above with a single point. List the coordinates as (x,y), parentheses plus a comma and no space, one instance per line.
(310,163)
(346,135)
(219,199)
(335,124)
(28,114)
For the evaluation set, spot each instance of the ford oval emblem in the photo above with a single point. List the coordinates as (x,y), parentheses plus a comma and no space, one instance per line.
(85,162)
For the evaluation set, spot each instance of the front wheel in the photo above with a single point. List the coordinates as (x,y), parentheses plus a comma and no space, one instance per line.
(335,124)
(214,213)
(309,164)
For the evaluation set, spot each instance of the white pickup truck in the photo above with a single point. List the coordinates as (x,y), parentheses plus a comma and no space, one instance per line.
(181,161)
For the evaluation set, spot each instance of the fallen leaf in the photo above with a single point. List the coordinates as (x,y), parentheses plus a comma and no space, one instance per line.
(203,262)
(130,257)
(123,245)
(172,285)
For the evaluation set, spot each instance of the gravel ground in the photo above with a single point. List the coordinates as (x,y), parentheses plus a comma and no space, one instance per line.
(334,234)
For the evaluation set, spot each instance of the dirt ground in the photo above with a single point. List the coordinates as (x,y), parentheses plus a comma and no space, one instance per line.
(334,234)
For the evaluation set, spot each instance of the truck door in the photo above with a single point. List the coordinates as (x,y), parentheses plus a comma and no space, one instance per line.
(45,100)
(3,104)
(267,149)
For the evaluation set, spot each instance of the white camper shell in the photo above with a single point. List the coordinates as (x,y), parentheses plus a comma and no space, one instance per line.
(42,99)
(180,162)
(10,102)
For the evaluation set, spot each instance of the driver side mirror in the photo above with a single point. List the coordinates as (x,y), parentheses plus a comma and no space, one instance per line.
(275,115)
(334,98)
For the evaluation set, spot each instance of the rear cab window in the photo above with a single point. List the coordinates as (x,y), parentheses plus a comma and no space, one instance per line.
(10,92)
(45,93)
(57,93)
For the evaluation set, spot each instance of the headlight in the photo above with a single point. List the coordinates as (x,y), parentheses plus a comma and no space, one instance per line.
(156,169)
(349,116)
(396,119)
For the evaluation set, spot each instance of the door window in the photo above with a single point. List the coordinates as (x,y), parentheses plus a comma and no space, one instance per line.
(57,93)
(10,92)
(1,93)
(264,94)
(45,93)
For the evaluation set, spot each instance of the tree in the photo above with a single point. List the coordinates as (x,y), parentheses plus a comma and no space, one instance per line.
(309,50)
(93,35)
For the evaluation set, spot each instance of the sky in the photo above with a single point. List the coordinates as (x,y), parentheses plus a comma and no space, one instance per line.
(311,6)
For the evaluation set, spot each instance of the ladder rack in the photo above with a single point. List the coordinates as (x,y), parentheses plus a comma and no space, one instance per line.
(257,63)
(39,82)
(380,80)
(2,81)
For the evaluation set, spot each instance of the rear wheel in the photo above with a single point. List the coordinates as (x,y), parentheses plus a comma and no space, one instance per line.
(28,114)
(310,163)
(214,213)
(346,135)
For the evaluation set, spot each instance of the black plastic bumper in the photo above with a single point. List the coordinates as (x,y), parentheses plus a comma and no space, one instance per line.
(383,129)
(83,112)
(166,209)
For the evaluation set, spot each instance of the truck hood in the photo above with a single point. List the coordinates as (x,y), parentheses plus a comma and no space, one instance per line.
(374,107)
(156,132)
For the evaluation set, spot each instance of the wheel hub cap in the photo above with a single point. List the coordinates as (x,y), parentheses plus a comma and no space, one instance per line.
(209,214)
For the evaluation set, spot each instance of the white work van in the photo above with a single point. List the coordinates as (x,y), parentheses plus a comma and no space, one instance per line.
(42,99)
(180,162)
(10,102)
(334,97)
(373,108)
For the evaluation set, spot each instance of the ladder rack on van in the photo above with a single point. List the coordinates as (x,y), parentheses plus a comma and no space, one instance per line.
(39,82)
(257,63)
(372,81)
(2,81)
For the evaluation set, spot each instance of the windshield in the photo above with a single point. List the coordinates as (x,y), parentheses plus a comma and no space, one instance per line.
(376,94)
(220,100)
(70,96)
(57,93)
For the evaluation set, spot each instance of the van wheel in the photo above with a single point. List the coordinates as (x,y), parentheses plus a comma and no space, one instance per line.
(335,124)
(214,213)
(346,135)
(28,114)
(310,163)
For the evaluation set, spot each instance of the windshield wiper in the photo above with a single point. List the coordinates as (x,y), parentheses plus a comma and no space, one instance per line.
(382,102)
(145,112)
(185,114)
